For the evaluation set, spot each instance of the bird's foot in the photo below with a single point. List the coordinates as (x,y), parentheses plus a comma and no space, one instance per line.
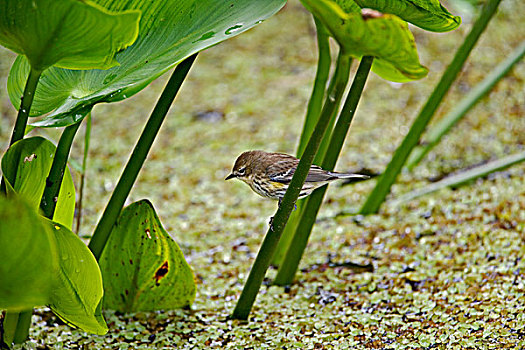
(271,223)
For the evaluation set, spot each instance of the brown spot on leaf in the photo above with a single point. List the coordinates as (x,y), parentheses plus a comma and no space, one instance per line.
(370,14)
(147,232)
(161,272)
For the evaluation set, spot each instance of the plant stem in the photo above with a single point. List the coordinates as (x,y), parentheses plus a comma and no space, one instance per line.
(434,135)
(137,158)
(56,173)
(463,177)
(25,106)
(326,139)
(47,204)
(315,103)
(312,116)
(16,325)
(262,261)
(382,188)
(23,112)
(288,268)
(9,327)
(87,138)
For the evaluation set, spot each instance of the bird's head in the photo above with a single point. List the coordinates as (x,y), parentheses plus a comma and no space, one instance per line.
(243,167)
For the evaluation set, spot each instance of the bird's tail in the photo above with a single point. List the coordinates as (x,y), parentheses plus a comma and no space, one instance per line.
(349,176)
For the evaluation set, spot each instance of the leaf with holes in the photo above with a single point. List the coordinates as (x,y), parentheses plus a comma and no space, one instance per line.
(426,14)
(371,33)
(142,267)
(170,31)
(26,166)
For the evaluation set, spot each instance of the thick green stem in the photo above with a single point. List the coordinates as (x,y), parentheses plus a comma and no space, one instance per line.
(56,173)
(262,261)
(17,328)
(434,135)
(297,246)
(323,148)
(315,103)
(137,158)
(382,188)
(87,138)
(312,116)
(23,112)
(48,205)
(25,106)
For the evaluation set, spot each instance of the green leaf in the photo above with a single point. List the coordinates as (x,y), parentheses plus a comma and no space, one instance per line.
(77,291)
(26,166)
(28,256)
(426,14)
(70,34)
(170,31)
(143,268)
(382,36)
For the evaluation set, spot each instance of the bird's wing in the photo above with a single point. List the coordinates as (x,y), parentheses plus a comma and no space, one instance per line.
(317,174)
(283,172)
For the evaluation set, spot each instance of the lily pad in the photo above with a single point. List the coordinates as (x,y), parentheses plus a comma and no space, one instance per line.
(170,31)
(142,266)
(68,33)
(26,165)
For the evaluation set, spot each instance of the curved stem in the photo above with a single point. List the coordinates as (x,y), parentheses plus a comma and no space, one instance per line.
(23,112)
(382,188)
(262,261)
(288,268)
(137,158)
(25,106)
(56,173)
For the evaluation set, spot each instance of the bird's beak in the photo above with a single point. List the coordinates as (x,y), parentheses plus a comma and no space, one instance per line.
(231,176)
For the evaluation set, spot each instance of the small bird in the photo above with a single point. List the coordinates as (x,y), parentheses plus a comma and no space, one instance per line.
(269,174)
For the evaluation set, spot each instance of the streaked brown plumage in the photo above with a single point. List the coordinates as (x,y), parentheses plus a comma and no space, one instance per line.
(269,174)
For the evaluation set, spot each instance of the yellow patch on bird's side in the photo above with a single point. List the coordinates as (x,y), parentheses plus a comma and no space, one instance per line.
(277,184)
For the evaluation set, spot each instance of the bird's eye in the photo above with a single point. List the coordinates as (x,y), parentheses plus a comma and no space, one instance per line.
(241,171)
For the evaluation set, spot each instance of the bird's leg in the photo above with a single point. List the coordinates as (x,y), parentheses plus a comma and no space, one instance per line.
(271,223)
(271,219)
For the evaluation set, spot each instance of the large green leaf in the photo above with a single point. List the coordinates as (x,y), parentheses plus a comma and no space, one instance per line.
(427,14)
(73,34)
(28,256)
(26,166)
(383,36)
(143,268)
(77,292)
(170,30)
